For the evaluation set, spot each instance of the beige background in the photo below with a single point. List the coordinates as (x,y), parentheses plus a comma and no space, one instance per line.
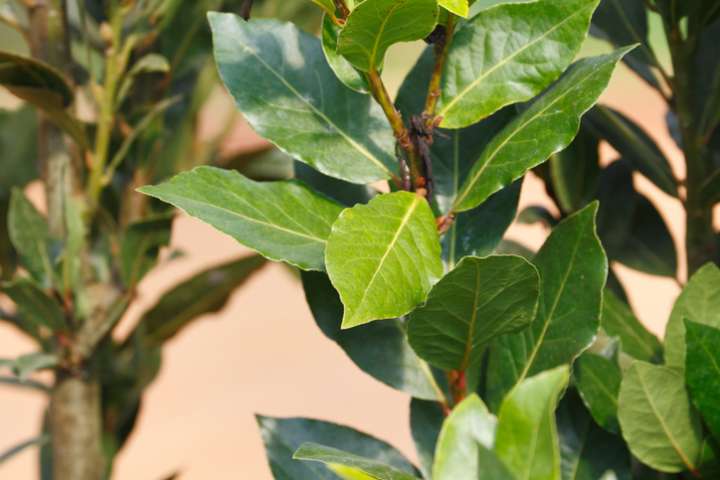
(264,354)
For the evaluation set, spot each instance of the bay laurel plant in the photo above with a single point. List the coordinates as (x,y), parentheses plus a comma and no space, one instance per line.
(108,97)
(519,366)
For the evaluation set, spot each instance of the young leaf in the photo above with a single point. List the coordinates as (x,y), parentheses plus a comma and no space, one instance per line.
(573,269)
(699,302)
(619,321)
(458,7)
(587,451)
(464,448)
(657,420)
(281,82)
(332,457)
(36,308)
(140,246)
(503,56)
(380,349)
(426,420)
(283,436)
(702,371)
(398,263)
(598,382)
(375,25)
(29,234)
(344,70)
(527,438)
(476,302)
(527,140)
(283,221)
(205,292)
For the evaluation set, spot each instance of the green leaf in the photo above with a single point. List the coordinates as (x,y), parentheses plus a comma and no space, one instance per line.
(28,231)
(587,451)
(282,84)
(527,438)
(380,349)
(527,141)
(283,221)
(332,457)
(699,302)
(203,293)
(508,54)
(702,371)
(426,420)
(140,246)
(18,149)
(619,321)
(464,448)
(375,25)
(639,238)
(481,299)
(37,309)
(635,146)
(458,7)
(598,382)
(150,63)
(343,69)
(573,269)
(398,263)
(574,172)
(537,214)
(657,420)
(25,365)
(341,191)
(283,436)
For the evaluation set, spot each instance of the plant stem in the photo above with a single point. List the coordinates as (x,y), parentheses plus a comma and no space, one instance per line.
(441,54)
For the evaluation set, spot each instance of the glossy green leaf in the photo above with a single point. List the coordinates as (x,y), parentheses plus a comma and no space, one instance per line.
(574,172)
(634,144)
(702,371)
(203,293)
(619,321)
(37,309)
(29,234)
(458,7)
(283,436)
(426,420)
(656,418)
(375,25)
(380,349)
(282,84)
(527,438)
(141,245)
(503,56)
(699,302)
(481,299)
(398,263)
(284,221)
(639,238)
(573,269)
(332,456)
(343,69)
(587,451)
(464,448)
(526,141)
(598,382)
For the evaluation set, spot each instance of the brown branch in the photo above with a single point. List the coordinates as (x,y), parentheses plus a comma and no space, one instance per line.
(442,47)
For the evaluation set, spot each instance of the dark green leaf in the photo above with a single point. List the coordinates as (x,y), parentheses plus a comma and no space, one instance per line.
(375,25)
(29,234)
(587,451)
(537,214)
(573,269)
(380,349)
(634,145)
(25,365)
(527,439)
(341,191)
(619,321)
(205,292)
(528,138)
(333,457)
(426,419)
(398,263)
(598,382)
(18,149)
(140,246)
(502,56)
(284,87)
(702,371)
(481,299)
(656,418)
(283,436)
(37,309)
(711,189)
(699,302)
(575,171)
(283,221)
(343,69)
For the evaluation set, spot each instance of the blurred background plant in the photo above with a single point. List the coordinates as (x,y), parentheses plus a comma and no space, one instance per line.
(100,97)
